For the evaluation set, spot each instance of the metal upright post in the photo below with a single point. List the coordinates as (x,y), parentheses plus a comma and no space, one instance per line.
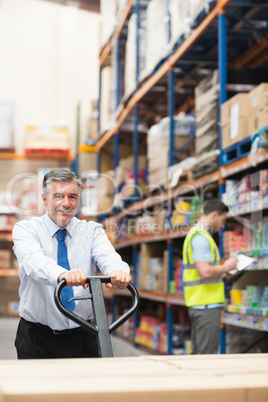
(136,153)
(171,115)
(135,282)
(171,162)
(170,328)
(222,62)
(136,108)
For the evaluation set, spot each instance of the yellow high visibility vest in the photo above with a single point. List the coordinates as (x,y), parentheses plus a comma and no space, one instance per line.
(196,290)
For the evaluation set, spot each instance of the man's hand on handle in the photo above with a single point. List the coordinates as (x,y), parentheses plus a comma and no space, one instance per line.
(119,279)
(77,277)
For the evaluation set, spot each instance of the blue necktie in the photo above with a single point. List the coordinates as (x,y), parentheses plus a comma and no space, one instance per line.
(66,293)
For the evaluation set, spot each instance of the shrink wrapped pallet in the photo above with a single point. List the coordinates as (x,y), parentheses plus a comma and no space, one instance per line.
(157,34)
(131,51)
(197,7)
(159,145)
(207,129)
(108,9)
(180,19)
(105,109)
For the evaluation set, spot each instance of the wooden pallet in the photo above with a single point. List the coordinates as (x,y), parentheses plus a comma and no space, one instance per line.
(236,151)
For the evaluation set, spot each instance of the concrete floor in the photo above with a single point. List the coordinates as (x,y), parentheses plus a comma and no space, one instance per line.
(8,328)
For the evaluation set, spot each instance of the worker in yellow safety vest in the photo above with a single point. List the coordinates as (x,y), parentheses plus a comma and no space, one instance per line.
(202,277)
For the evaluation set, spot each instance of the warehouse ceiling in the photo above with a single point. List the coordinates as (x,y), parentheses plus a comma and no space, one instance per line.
(88,5)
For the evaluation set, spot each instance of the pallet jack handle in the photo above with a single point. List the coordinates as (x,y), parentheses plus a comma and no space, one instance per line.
(101,330)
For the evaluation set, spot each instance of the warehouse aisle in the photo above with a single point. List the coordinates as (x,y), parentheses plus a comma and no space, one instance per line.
(8,327)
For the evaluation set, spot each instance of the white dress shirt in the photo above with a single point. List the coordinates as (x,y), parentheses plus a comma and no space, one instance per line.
(36,248)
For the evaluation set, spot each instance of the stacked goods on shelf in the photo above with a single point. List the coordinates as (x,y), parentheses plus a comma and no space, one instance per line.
(181,343)
(157,35)
(180,174)
(89,199)
(178,281)
(248,294)
(253,298)
(234,120)
(129,189)
(46,138)
(105,107)
(258,108)
(185,213)
(196,7)
(244,115)
(110,12)
(207,132)
(93,124)
(158,147)
(5,259)
(238,340)
(248,194)
(9,295)
(7,222)
(152,272)
(30,201)
(124,174)
(180,20)
(152,223)
(152,333)
(6,124)
(234,240)
(115,89)
(105,186)
(251,238)
(126,329)
(131,51)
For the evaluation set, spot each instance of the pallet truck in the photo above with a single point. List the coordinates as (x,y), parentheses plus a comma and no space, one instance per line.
(101,329)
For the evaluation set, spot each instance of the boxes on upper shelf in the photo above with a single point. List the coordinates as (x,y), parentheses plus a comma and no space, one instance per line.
(47,137)
(159,144)
(180,21)
(234,120)
(157,34)
(258,108)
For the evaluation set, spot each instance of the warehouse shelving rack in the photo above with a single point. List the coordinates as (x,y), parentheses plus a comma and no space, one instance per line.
(222,38)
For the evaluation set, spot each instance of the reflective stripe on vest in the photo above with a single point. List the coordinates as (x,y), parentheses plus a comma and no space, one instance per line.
(196,290)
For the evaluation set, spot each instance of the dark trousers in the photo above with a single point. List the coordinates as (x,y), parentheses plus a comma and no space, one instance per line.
(205,330)
(36,341)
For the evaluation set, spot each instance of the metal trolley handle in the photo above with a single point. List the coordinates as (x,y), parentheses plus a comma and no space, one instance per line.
(101,330)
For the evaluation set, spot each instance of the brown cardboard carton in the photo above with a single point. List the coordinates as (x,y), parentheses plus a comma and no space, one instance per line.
(238,106)
(234,132)
(258,120)
(258,98)
(240,378)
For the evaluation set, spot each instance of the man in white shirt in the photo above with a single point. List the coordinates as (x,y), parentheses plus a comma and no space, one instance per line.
(43,331)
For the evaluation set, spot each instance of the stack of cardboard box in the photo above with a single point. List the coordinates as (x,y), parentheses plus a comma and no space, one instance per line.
(243,115)
(106,186)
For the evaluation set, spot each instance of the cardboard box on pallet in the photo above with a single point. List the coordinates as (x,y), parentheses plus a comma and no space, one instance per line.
(258,98)
(258,120)
(258,108)
(240,378)
(234,120)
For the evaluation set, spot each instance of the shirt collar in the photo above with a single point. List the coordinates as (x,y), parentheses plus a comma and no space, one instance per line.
(53,227)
